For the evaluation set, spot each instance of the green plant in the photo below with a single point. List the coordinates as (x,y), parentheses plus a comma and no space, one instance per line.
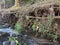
(51,34)
(46,28)
(9,1)
(59,0)
(18,27)
(14,39)
(35,26)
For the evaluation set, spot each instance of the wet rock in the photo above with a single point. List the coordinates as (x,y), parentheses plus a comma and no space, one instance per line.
(6,43)
(25,39)
(6,25)
(12,43)
(32,42)
(1,43)
(4,37)
(9,43)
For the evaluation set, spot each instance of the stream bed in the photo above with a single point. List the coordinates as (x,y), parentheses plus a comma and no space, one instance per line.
(24,39)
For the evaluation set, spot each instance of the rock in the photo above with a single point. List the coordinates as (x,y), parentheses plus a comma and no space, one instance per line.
(25,39)
(12,43)
(10,19)
(0,18)
(6,43)
(6,25)
(4,37)
(32,42)
(1,43)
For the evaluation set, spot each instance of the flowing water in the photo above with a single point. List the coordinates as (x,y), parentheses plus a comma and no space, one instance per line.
(24,39)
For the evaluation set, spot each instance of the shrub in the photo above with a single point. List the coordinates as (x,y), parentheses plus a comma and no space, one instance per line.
(45,29)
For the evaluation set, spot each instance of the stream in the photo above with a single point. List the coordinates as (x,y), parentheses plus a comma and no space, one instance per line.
(23,39)
(6,32)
